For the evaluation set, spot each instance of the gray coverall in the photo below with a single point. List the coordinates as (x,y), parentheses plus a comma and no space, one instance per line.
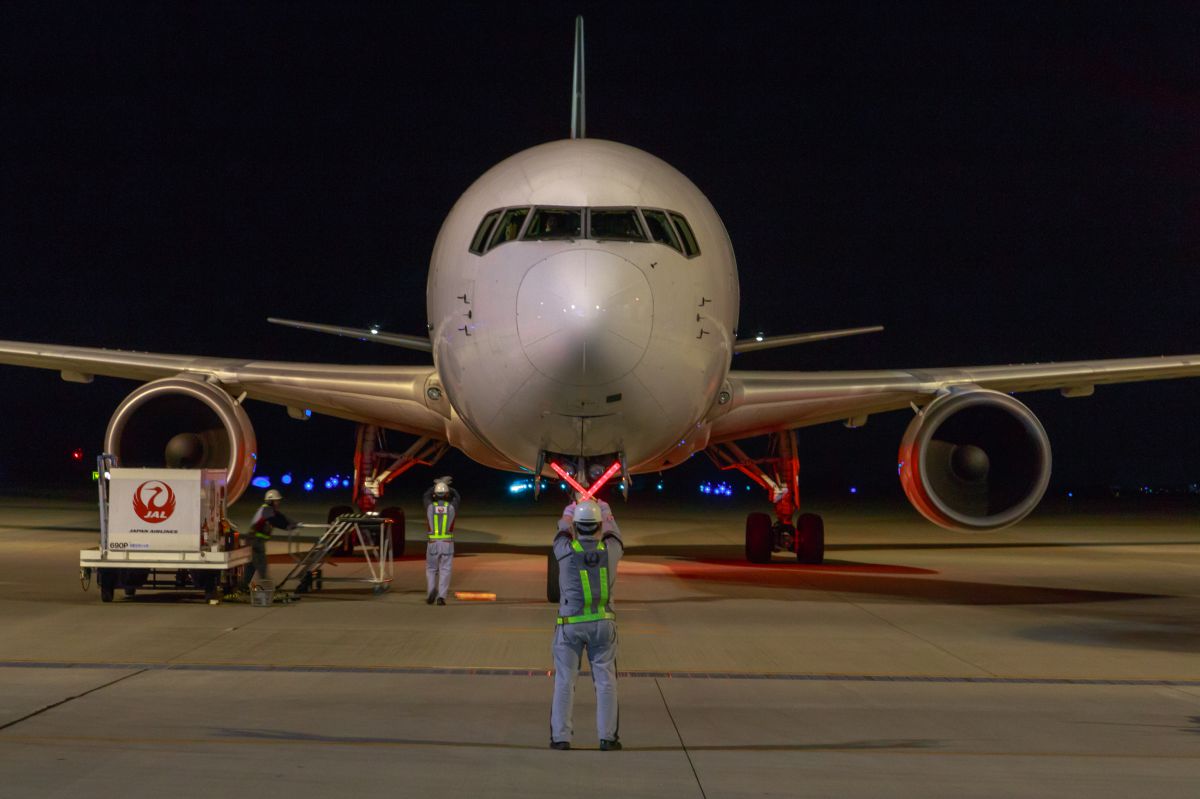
(265,520)
(439,551)
(587,569)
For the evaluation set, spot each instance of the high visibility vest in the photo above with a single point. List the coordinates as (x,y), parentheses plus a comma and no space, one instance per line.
(261,525)
(592,566)
(441,521)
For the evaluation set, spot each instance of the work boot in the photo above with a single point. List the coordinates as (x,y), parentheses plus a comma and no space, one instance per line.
(432,596)
(560,745)
(609,746)
(441,601)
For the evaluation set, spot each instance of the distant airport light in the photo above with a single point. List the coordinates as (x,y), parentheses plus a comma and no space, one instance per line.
(1070,494)
(261,482)
(853,489)
(659,486)
(345,482)
(759,337)
(308,484)
(286,479)
(77,454)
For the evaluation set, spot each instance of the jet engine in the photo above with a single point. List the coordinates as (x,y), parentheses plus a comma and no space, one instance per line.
(975,460)
(184,423)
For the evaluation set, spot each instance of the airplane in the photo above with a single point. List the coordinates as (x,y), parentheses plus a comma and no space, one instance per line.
(583,303)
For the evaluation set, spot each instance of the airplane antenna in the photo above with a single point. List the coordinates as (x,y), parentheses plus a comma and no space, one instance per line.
(577,96)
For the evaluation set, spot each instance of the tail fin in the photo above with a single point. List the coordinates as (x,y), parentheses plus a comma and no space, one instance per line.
(577,95)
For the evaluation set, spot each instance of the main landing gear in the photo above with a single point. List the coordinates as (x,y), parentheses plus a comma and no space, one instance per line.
(800,534)
(374,468)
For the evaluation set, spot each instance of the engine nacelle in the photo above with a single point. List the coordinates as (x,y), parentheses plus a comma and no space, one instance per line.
(184,423)
(975,460)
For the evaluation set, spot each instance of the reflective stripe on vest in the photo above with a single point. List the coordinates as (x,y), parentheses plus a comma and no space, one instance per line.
(267,535)
(439,522)
(591,612)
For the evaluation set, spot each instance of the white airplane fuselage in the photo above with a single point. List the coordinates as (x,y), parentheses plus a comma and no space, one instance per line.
(585,347)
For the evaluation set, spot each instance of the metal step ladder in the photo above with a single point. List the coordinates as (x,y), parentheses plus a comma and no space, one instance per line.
(376,550)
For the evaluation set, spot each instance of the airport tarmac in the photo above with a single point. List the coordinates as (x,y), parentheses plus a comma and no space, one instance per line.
(1061,658)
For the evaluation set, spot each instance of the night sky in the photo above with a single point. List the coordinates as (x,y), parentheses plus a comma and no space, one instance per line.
(994,183)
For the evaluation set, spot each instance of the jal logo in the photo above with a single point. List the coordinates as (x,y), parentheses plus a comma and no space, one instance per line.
(153,501)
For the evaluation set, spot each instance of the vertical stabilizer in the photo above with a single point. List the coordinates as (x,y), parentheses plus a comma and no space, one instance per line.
(577,95)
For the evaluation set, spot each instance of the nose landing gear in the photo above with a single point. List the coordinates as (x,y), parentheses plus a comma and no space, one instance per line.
(805,535)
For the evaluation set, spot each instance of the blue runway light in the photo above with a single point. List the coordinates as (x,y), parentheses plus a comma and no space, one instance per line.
(286,479)
(345,482)
(853,489)
(308,484)
(261,482)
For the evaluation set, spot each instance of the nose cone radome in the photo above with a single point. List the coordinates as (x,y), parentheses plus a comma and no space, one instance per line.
(584,316)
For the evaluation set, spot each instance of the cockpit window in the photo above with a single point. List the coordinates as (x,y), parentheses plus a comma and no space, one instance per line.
(690,247)
(485,230)
(615,224)
(555,223)
(543,223)
(660,228)
(510,226)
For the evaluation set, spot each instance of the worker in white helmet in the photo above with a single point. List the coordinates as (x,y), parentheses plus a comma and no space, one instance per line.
(441,506)
(266,520)
(588,550)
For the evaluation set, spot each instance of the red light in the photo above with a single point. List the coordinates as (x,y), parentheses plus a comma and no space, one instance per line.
(77,455)
(587,493)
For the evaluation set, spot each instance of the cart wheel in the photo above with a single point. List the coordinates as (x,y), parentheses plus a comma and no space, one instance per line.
(108,583)
(85,578)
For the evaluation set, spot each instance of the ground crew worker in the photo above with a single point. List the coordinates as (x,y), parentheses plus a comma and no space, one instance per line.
(588,549)
(266,520)
(441,506)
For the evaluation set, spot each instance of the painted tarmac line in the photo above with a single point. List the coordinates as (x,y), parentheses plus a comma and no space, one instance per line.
(489,671)
(281,739)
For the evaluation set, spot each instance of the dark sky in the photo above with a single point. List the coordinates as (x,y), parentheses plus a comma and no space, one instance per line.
(993,182)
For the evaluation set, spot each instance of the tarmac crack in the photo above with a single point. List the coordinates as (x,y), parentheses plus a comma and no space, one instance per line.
(918,636)
(62,702)
(679,735)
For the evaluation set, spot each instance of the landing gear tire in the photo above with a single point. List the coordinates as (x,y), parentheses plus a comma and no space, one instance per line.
(810,538)
(552,590)
(108,584)
(397,517)
(758,538)
(347,545)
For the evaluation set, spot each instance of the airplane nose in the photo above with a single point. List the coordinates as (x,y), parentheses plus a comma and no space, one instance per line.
(584,316)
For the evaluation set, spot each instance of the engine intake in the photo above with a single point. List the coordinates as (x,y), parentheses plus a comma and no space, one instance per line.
(184,423)
(975,460)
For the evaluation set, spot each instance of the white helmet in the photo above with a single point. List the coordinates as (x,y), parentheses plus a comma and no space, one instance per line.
(273,496)
(587,517)
(441,488)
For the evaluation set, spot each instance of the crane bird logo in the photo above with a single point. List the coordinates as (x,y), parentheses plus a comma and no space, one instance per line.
(153,501)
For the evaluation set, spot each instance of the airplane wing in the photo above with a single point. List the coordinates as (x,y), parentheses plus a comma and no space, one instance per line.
(388,396)
(764,402)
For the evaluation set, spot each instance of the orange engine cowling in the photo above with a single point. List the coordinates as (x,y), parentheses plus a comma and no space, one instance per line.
(184,423)
(975,460)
